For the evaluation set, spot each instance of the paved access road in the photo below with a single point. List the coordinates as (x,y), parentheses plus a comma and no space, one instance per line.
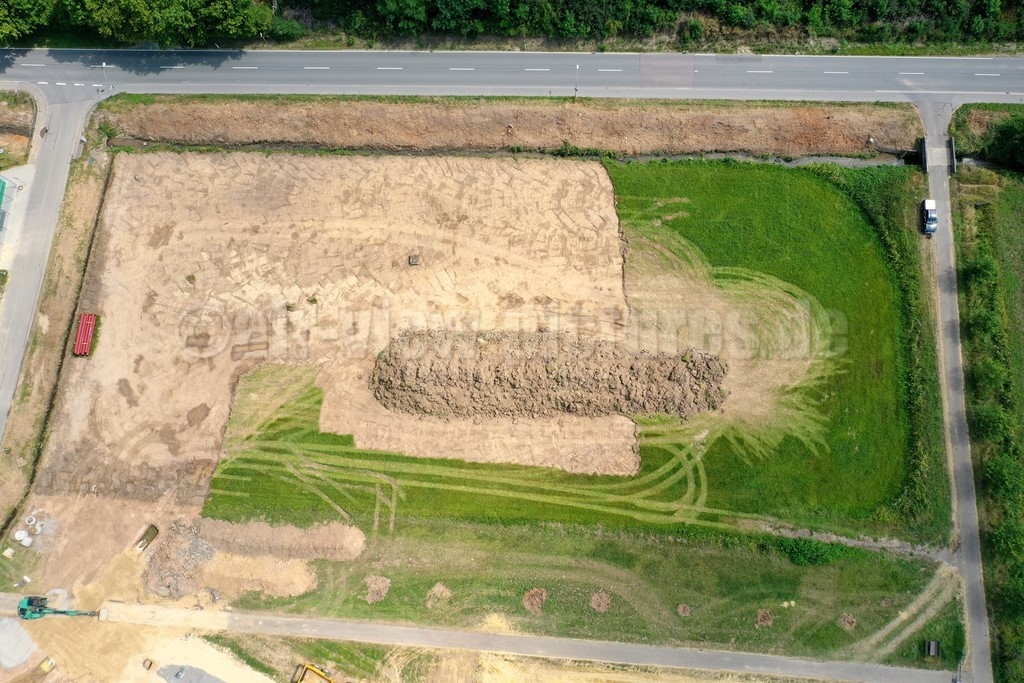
(69,82)
(556,648)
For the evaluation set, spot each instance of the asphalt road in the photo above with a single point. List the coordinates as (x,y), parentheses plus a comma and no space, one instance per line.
(958,446)
(70,82)
(533,646)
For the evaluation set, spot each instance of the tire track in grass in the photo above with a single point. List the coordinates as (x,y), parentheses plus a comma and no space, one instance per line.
(936,594)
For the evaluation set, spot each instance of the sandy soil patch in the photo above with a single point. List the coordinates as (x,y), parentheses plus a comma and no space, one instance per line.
(233,575)
(629,127)
(196,653)
(207,265)
(82,533)
(334,541)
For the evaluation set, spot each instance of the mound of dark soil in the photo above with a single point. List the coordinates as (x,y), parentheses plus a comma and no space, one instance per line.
(540,374)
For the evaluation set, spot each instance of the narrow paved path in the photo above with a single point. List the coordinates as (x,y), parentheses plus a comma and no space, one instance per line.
(530,646)
(29,249)
(936,117)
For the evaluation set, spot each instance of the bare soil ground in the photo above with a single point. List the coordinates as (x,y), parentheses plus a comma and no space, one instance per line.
(206,265)
(627,127)
(17,113)
(540,374)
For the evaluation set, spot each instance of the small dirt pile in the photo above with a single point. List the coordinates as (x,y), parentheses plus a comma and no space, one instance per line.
(534,600)
(600,602)
(540,374)
(438,595)
(764,619)
(377,588)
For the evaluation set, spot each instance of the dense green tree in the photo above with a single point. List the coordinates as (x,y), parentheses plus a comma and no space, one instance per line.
(1006,145)
(18,18)
(403,17)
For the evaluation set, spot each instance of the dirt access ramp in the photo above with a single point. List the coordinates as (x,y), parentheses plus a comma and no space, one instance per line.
(628,127)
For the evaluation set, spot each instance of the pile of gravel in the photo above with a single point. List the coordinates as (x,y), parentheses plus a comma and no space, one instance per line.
(540,374)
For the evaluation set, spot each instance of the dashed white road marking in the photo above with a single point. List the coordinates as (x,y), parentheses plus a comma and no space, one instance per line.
(33,65)
(461,68)
(79,84)
(173,67)
(61,83)
(316,67)
(911,73)
(760,72)
(42,83)
(536,69)
(97,85)
(390,68)
(986,74)
(245,67)
(609,69)
(835,72)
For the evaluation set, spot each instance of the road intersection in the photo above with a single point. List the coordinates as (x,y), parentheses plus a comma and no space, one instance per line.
(68,83)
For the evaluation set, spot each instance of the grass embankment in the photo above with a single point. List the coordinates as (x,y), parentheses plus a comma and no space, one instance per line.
(973,126)
(990,238)
(878,464)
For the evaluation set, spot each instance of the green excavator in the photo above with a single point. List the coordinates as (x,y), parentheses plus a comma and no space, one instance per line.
(36,607)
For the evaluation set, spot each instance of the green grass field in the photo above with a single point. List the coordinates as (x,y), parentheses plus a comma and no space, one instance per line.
(798,227)
(723,580)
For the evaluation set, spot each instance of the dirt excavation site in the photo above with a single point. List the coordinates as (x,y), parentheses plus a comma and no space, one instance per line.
(481,308)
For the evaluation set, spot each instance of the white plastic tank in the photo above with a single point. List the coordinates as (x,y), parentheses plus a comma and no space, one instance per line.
(20,535)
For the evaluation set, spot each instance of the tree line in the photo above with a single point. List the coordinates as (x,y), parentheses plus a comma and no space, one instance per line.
(197,23)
